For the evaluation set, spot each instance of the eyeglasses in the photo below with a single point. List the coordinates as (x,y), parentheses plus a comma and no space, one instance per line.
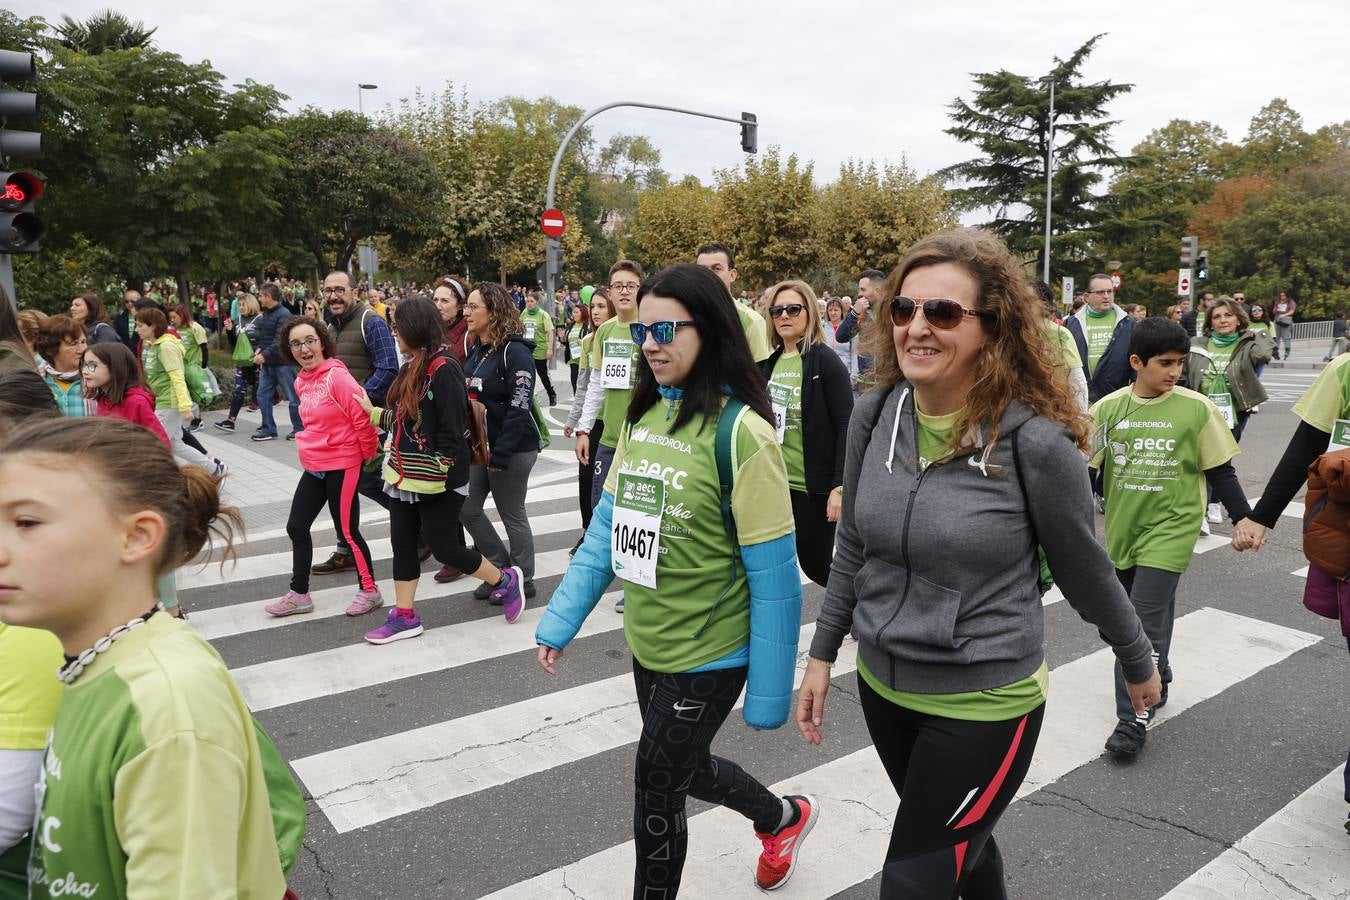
(626,287)
(335,290)
(662,332)
(944,314)
(307,342)
(1102,293)
(792,311)
(89,365)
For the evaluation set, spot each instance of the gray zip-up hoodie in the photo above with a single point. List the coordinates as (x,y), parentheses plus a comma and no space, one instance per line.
(938,569)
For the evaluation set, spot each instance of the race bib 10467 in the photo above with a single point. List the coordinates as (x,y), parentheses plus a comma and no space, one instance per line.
(635,542)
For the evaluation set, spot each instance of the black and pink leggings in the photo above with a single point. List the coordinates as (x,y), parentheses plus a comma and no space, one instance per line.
(955,778)
(335,489)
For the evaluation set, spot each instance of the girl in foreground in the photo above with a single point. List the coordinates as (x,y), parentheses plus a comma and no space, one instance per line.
(155,782)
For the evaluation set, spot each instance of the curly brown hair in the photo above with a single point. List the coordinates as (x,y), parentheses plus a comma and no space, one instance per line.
(1017,362)
(503,317)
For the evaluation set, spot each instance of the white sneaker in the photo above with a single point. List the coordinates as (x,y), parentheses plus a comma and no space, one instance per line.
(1204,528)
(1214,513)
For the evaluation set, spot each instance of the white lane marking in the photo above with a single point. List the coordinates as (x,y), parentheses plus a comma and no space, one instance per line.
(1297,853)
(390,776)
(858,803)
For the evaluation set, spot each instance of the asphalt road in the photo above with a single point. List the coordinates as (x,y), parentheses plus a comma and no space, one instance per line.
(449,766)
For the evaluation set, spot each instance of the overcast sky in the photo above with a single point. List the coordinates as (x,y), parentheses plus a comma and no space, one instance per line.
(828,80)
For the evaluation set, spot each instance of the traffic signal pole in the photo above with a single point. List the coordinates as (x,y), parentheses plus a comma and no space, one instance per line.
(749,135)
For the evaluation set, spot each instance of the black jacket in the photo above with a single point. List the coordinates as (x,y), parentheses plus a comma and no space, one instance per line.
(441,425)
(268,327)
(507,390)
(827,403)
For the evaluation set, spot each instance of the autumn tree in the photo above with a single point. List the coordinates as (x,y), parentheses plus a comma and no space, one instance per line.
(764,211)
(672,221)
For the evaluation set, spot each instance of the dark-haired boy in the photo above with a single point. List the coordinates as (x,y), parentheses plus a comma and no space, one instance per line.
(1158,445)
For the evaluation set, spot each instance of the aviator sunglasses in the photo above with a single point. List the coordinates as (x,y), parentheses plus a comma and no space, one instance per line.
(944,314)
(662,332)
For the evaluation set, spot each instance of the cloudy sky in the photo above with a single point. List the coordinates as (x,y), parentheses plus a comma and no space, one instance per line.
(828,80)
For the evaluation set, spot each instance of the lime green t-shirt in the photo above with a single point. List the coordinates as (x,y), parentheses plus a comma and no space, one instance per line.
(153,782)
(584,358)
(192,337)
(935,437)
(29,691)
(1155,453)
(785,393)
(574,339)
(538,328)
(611,341)
(756,332)
(162,363)
(994,705)
(1062,340)
(1260,326)
(1100,327)
(699,611)
(1216,377)
(1328,399)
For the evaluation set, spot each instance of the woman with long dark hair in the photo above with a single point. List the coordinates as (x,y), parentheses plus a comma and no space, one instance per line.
(426,470)
(449,296)
(87,309)
(576,331)
(501,370)
(600,312)
(695,517)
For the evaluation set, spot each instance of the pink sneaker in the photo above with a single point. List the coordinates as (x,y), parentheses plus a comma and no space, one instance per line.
(364,602)
(290,605)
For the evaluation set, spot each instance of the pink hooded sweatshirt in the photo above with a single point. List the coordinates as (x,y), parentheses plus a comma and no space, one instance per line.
(338,433)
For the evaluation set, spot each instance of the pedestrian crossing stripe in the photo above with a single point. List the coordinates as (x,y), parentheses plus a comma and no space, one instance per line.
(1299,852)
(858,803)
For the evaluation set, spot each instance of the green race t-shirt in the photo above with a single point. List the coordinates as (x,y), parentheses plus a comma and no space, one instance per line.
(755,332)
(699,611)
(193,337)
(1062,340)
(538,328)
(153,782)
(574,339)
(1100,327)
(1216,378)
(994,705)
(1260,326)
(935,437)
(785,393)
(1329,397)
(584,358)
(611,341)
(1155,453)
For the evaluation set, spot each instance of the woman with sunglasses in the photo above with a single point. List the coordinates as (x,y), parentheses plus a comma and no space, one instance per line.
(500,372)
(709,569)
(599,312)
(812,397)
(966,456)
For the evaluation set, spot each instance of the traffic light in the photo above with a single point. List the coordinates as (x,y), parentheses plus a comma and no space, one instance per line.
(21,229)
(1202,266)
(749,133)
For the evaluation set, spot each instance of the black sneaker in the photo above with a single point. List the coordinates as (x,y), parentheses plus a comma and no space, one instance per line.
(1127,740)
(195,425)
(483,591)
(1161,703)
(225,425)
(529,590)
(291,436)
(338,562)
(261,435)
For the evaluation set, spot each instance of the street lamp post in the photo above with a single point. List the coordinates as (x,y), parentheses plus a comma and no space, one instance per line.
(747,121)
(360,91)
(1049,174)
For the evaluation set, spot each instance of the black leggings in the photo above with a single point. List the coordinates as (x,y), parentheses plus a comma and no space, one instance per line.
(244,377)
(541,370)
(942,845)
(815,535)
(680,716)
(337,491)
(586,476)
(574,367)
(433,517)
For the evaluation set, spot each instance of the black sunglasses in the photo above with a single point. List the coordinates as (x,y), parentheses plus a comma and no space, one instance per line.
(793,310)
(662,332)
(944,314)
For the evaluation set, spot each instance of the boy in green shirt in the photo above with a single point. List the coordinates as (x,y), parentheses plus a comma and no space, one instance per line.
(1157,446)
(539,328)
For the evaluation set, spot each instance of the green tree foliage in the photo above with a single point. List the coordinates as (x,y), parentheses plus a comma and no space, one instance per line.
(346,181)
(764,211)
(104,30)
(1006,121)
(672,221)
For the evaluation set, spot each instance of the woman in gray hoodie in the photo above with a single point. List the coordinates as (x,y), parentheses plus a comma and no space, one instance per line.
(964,459)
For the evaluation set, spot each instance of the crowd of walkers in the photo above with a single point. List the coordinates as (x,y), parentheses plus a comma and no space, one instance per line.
(928,453)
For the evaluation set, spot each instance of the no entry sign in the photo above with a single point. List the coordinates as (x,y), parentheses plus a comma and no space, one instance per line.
(553,223)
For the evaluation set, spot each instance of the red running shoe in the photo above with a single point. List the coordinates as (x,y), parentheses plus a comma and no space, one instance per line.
(780,850)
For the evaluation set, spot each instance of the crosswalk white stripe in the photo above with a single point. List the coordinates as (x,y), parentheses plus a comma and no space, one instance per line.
(390,776)
(247,568)
(1297,853)
(350,667)
(1294,510)
(858,803)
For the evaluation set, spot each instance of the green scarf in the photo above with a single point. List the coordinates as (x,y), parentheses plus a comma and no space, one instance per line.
(1099,315)
(1224,340)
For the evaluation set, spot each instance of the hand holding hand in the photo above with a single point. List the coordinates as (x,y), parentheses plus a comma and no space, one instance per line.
(1248,535)
(567,431)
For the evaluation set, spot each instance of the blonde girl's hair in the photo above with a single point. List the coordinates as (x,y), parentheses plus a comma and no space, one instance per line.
(814,333)
(249,306)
